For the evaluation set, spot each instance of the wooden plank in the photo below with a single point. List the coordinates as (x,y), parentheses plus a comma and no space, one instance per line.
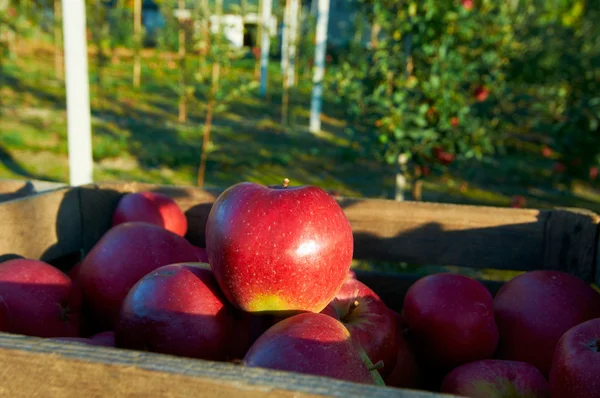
(571,242)
(443,234)
(13,189)
(34,367)
(45,225)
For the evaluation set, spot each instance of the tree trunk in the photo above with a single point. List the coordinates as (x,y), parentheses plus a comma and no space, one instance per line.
(58,60)
(285,59)
(182,81)
(258,39)
(265,46)
(319,70)
(208,124)
(214,86)
(137,37)
(375,29)
(293,41)
(205,40)
(417,190)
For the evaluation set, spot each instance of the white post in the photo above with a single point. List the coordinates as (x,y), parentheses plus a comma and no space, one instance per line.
(285,29)
(77,88)
(293,41)
(319,69)
(265,46)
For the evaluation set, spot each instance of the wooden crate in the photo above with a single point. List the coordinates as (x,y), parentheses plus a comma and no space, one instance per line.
(61,225)
(12,189)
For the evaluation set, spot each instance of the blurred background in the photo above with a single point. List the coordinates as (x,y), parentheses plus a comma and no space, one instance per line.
(463,101)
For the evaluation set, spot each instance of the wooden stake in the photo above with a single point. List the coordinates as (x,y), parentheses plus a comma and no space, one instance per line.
(183,95)
(137,35)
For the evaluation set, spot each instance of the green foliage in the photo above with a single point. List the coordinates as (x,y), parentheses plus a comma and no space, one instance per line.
(419,87)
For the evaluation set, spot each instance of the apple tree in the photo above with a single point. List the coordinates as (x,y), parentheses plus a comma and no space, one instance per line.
(428,82)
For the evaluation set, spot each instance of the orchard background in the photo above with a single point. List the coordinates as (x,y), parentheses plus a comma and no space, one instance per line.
(470,101)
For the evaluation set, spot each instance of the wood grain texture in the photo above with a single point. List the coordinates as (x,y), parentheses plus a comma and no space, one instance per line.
(42,225)
(13,189)
(571,242)
(34,367)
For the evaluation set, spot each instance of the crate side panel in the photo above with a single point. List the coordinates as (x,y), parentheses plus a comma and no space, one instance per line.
(43,367)
(43,226)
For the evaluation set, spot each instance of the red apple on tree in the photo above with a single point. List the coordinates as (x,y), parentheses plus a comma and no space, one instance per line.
(533,311)
(37,299)
(494,378)
(152,207)
(123,255)
(314,344)
(370,322)
(451,320)
(467,4)
(278,249)
(178,309)
(575,371)
(481,93)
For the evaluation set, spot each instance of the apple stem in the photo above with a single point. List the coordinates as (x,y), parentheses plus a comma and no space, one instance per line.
(286,182)
(376,366)
(353,306)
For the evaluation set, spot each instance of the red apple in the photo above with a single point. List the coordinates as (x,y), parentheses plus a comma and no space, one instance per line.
(38,300)
(517,201)
(593,173)
(534,309)
(106,339)
(546,151)
(120,258)
(467,4)
(481,93)
(278,249)
(559,167)
(370,322)
(152,207)
(454,121)
(201,254)
(310,343)
(406,372)
(451,320)
(178,309)
(494,378)
(575,371)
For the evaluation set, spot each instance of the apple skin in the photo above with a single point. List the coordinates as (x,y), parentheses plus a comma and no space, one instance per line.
(451,320)
(201,253)
(37,299)
(105,339)
(407,372)
(309,343)
(533,311)
(495,378)
(178,309)
(575,371)
(372,324)
(152,207)
(285,250)
(123,255)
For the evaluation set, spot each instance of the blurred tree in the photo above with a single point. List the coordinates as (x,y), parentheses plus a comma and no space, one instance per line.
(428,83)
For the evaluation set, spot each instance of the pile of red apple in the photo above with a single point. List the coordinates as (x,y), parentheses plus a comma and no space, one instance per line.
(273,289)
